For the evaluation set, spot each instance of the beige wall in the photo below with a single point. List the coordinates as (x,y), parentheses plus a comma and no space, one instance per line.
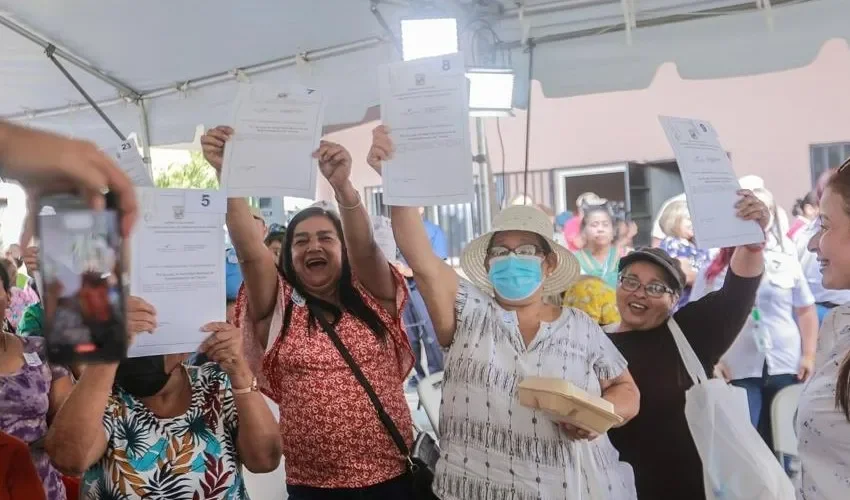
(767,123)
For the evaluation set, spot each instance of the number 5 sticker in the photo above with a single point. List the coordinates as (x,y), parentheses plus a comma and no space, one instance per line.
(206,200)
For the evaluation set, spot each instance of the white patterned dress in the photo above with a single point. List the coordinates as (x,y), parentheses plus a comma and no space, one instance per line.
(494,448)
(823,432)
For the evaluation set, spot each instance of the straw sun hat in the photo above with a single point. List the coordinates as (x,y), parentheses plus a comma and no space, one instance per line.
(520,218)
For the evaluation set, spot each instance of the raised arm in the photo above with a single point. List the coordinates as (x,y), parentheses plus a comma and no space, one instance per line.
(727,310)
(368,262)
(77,437)
(257,436)
(437,281)
(259,269)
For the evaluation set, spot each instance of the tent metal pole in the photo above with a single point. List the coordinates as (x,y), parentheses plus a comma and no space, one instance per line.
(67,56)
(531,45)
(49,52)
(225,76)
(386,27)
(553,7)
(489,206)
(643,22)
(146,136)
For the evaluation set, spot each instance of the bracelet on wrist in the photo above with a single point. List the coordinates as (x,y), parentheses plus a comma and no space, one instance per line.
(349,207)
(254,387)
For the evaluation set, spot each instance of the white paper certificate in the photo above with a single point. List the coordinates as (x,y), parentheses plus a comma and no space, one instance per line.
(383,233)
(276,130)
(177,265)
(127,156)
(425,104)
(710,184)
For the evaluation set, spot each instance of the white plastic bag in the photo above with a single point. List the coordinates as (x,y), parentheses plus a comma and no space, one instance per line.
(737,464)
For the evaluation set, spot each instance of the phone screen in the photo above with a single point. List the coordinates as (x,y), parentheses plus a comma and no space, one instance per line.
(82,292)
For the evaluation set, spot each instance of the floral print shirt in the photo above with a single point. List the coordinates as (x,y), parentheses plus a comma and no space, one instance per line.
(679,248)
(595,298)
(192,456)
(24,402)
(20,299)
(332,437)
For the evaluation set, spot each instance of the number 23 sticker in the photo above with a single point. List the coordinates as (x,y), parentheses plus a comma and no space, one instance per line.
(206,200)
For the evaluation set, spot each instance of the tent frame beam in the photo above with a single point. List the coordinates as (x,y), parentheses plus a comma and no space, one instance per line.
(205,81)
(50,52)
(126,91)
(649,22)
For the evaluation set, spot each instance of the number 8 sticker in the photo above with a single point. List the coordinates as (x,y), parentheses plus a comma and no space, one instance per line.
(447,65)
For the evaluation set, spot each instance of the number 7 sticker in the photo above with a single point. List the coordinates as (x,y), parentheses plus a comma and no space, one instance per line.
(206,200)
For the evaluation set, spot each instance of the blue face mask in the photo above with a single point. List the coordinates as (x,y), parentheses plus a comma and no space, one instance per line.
(516,277)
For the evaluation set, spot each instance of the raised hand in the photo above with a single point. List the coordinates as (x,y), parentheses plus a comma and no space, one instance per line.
(750,207)
(334,163)
(212,144)
(52,163)
(224,346)
(382,148)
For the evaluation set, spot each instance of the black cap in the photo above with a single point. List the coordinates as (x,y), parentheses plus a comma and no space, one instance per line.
(672,268)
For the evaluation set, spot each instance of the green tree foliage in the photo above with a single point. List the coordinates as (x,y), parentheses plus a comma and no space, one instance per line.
(197,174)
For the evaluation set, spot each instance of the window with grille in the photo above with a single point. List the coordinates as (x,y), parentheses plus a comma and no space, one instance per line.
(826,156)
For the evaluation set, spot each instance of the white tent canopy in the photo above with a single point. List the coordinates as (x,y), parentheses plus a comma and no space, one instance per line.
(161,68)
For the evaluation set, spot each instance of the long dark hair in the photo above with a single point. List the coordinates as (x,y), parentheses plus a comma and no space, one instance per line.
(840,184)
(349,297)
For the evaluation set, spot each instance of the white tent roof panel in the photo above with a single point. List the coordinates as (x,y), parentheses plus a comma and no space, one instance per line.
(154,44)
(731,45)
(152,47)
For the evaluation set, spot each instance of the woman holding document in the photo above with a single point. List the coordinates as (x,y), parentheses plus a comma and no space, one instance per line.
(500,332)
(658,442)
(330,265)
(152,427)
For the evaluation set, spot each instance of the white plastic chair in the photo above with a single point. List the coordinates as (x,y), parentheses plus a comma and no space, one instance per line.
(783,410)
(430,393)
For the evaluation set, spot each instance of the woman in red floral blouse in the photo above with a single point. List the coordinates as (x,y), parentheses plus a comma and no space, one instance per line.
(333,442)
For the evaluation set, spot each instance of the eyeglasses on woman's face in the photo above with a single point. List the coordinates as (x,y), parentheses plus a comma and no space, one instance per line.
(844,166)
(654,289)
(527,250)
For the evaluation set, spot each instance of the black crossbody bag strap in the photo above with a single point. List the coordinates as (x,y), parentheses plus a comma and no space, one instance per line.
(358,374)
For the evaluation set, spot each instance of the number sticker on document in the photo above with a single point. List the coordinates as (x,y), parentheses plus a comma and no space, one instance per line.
(32,359)
(206,200)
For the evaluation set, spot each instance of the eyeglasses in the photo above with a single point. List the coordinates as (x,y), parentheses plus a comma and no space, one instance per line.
(655,290)
(844,166)
(527,250)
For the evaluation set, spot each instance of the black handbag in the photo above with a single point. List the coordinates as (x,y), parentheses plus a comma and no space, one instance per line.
(426,451)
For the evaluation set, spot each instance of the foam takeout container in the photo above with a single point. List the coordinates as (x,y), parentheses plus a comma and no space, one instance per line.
(562,401)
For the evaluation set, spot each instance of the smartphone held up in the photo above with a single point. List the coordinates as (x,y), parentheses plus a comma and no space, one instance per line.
(82,292)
